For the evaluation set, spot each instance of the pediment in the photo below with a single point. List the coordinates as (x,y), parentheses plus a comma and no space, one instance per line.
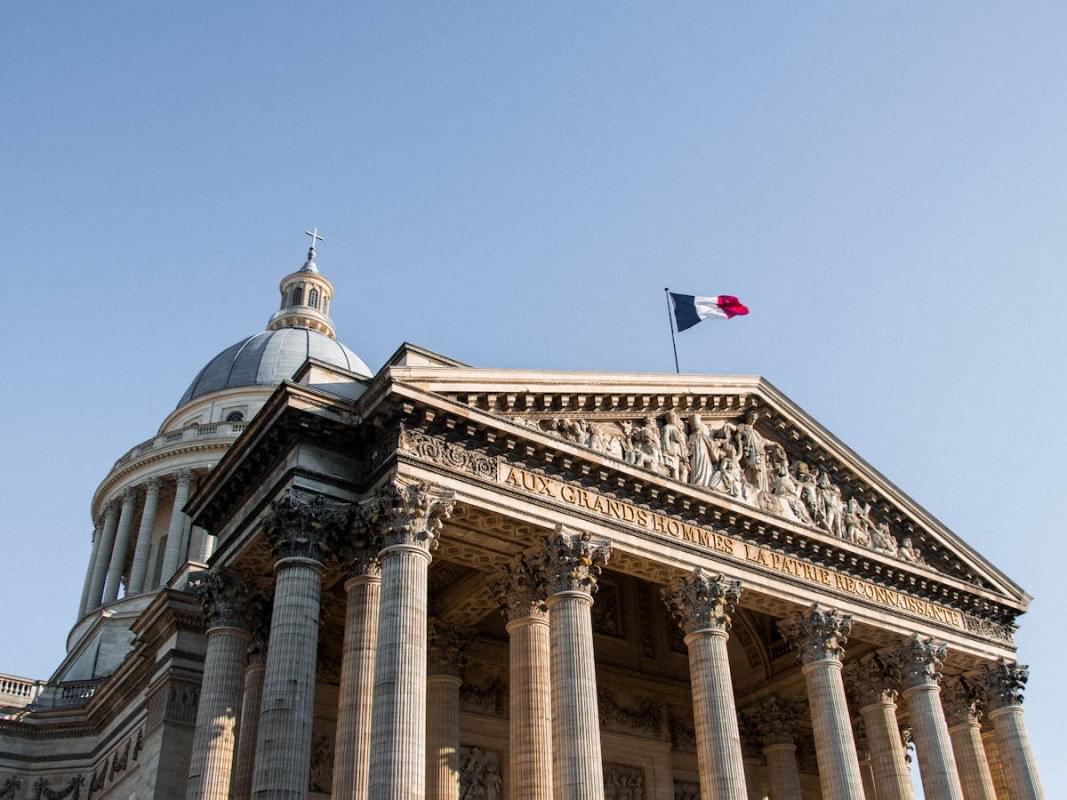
(735,438)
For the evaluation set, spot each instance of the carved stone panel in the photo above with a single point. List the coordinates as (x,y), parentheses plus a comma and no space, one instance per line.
(607,610)
(623,782)
(480,774)
(684,790)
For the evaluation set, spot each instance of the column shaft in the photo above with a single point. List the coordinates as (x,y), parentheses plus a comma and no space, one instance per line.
(867,775)
(718,740)
(783,772)
(356,693)
(932,744)
(398,738)
(530,722)
(122,541)
(753,787)
(172,555)
(251,706)
(283,748)
(442,737)
(891,774)
(215,736)
(1016,755)
(996,767)
(103,557)
(835,746)
(94,552)
(578,772)
(144,538)
(971,762)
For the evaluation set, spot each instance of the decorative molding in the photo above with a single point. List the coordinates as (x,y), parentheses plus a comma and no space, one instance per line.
(489,697)
(437,451)
(9,787)
(646,715)
(73,789)
(818,633)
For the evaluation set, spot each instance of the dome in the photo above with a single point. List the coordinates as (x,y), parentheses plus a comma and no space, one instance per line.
(268,358)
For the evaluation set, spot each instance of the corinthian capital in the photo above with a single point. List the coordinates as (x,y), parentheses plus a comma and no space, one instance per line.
(873,679)
(1003,684)
(299,525)
(447,651)
(520,588)
(572,561)
(777,720)
(702,602)
(818,633)
(920,660)
(408,513)
(358,546)
(224,596)
(961,700)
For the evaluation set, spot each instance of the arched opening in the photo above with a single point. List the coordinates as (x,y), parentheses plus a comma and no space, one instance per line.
(313,298)
(297,296)
(235,416)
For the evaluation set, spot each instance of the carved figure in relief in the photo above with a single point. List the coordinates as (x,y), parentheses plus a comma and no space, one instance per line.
(574,430)
(883,541)
(908,552)
(858,522)
(753,458)
(807,490)
(479,777)
(645,445)
(830,505)
(727,477)
(701,452)
(675,448)
(605,438)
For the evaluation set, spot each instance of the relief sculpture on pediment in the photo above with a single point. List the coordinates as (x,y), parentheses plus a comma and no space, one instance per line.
(734,458)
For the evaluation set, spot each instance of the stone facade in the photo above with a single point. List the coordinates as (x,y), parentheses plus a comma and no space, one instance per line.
(445,583)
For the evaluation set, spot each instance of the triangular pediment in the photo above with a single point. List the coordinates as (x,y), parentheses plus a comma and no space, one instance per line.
(733,437)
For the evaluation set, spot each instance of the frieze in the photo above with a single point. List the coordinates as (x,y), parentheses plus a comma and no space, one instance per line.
(644,715)
(721,544)
(734,458)
(683,733)
(623,782)
(685,790)
(438,451)
(479,774)
(487,697)
(9,787)
(73,789)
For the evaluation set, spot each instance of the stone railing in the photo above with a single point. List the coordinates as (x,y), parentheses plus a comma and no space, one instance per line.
(192,433)
(19,692)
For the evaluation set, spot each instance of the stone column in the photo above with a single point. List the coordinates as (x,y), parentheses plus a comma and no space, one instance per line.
(224,596)
(703,605)
(409,518)
(572,563)
(172,555)
(94,552)
(961,703)
(1003,687)
(252,701)
(103,555)
(996,769)
(920,671)
(144,537)
(863,753)
(300,528)
(351,755)
(122,541)
(777,720)
(872,681)
(521,592)
(444,675)
(820,634)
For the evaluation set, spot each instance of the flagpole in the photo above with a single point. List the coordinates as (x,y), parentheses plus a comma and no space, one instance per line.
(670,324)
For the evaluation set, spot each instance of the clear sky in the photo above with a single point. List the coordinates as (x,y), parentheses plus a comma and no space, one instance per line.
(513,184)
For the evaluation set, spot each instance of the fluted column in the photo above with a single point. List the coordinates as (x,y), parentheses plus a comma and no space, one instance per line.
(103,555)
(572,562)
(94,552)
(359,560)
(751,755)
(872,681)
(224,596)
(172,555)
(444,675)
(520,590)
(996,769)
(962,713)
(300,528)
(920,672)
(703,604)
(144,537)
(820,634)
(252,699)
(1003,687)
(777,721)
(409,519)
(122,541)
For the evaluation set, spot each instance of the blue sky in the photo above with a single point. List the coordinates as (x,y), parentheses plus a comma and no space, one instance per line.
(513,185)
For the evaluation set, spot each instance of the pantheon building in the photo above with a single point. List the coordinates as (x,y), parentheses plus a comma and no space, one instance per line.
(458,583)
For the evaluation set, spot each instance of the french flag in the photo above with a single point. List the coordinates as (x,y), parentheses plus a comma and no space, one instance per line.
(690,309)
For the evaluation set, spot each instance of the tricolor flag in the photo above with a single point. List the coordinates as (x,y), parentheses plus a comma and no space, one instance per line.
(690,309)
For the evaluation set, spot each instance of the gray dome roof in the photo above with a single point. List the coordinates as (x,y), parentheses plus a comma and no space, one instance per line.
(267,359)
